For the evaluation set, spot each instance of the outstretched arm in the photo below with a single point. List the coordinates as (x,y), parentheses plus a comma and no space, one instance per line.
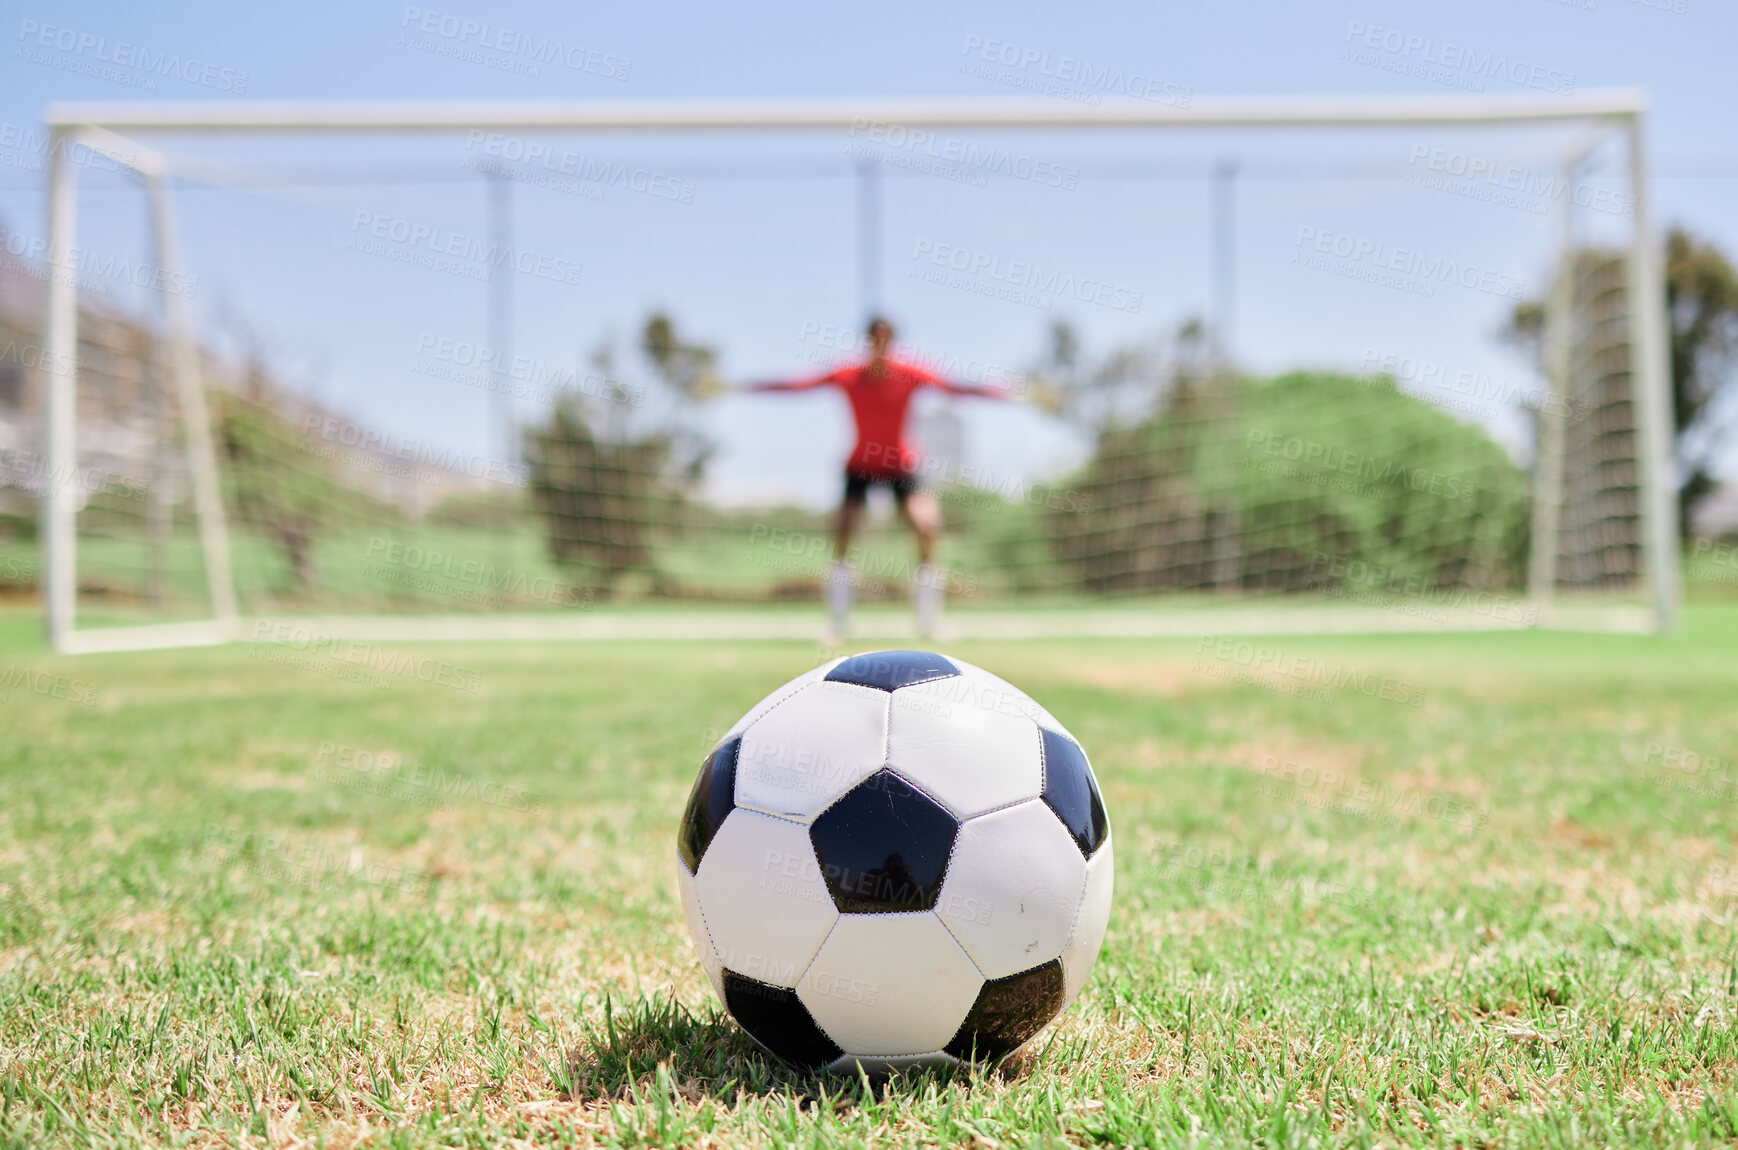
(1032,391)
(981,390)
(794,384)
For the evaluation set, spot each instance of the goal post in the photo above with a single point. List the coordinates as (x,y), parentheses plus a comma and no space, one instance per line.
(118,129)
(60,587)
(1653,387)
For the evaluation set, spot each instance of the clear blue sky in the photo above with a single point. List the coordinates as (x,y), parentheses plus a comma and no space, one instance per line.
(761,266)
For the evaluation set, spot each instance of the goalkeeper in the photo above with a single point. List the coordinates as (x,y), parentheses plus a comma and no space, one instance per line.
(880,391)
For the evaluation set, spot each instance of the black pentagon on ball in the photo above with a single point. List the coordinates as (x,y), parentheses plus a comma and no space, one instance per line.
(1072,792)
(891,670)
(712,798)
(883,847)
(1009,1011)
(777,1019)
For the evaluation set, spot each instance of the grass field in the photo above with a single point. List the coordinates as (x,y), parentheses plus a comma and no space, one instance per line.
(1491,903)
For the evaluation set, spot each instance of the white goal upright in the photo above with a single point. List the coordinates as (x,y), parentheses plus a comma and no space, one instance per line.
(1131,536)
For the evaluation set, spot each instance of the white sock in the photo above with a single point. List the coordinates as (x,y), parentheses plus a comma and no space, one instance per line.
(839,590)
(928,588)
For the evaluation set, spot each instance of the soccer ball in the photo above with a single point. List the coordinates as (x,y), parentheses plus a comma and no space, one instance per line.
(892,860)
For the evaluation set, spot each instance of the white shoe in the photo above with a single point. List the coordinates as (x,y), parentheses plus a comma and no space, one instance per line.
(839,591)
(928,592)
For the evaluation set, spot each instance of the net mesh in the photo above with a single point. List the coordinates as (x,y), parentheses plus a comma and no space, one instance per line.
(586,479)
(1600,542)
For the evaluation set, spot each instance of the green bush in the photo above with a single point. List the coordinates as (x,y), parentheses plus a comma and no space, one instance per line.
(1291,484)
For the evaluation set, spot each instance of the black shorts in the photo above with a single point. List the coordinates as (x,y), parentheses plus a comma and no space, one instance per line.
(857,484)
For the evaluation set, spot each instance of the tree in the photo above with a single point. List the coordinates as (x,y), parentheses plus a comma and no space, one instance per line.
(282,484)
(689,372)
(1124,386)
(1702,312)
(1702,305)
(599,500)
(688,368)
(1188,499)
(278,480)
(609,487)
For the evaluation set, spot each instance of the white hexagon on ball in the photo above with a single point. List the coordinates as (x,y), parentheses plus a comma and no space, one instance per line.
(967,758)
(811,748)
(775,697)
(979,689)
(890,984)
(1013,888)
(761,898)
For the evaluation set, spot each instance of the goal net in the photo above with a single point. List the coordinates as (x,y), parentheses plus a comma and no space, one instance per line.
(402,371)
